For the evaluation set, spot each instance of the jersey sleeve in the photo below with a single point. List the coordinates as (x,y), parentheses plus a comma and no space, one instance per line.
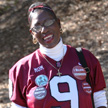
(17,84)
(99,83)
(96,75)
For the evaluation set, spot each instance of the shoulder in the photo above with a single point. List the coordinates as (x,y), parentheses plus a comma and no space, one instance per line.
(78,49)
(70,48)
(89,56)
(23,63)
(91,60)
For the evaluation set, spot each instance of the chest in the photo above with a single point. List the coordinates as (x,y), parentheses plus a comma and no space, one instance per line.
(52,91)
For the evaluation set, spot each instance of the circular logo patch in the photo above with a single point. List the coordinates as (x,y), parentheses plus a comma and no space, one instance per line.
(79,72)
(41,80)
(86,87)
(40,93)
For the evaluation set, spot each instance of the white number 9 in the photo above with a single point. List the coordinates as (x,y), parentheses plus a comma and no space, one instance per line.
(72,95)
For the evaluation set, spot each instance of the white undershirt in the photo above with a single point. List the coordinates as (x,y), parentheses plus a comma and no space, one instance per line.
(57,54)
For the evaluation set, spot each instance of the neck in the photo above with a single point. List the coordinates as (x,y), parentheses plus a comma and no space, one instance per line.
(56,52)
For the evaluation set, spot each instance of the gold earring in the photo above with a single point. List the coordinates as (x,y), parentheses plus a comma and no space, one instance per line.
(34,40)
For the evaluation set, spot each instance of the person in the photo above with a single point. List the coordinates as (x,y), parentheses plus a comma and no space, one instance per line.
(52,76)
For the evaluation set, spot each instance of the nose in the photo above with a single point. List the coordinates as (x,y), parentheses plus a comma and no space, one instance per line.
(44,29)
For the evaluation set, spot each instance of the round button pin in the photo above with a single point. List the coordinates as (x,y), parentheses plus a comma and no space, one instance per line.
(86,87)
(40,93)
(41,80)
(79,72)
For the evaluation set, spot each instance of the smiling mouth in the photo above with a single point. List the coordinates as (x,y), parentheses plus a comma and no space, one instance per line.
(48,38)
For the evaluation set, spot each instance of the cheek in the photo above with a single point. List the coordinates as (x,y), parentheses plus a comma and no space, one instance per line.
(57,31)
(38,37)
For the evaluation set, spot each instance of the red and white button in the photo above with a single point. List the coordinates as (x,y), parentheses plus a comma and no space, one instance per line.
(79,72)
(86,87)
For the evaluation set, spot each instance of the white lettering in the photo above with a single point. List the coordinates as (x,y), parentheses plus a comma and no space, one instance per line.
(38,69)
(79,74)
(87,87)
(39,92)
(79,69)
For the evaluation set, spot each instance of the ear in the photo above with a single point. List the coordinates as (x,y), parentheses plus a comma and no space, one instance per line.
(34,39)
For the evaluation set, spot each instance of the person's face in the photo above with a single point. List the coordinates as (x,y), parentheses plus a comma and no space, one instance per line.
(48,36)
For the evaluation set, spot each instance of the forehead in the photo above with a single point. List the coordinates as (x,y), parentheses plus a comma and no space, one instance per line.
(41,15)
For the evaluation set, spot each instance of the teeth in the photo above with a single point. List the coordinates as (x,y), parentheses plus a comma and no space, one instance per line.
(47,37)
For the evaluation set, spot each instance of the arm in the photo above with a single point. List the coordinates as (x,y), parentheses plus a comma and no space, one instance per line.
(17,85)
(97,81)
(100,100)
(14,105)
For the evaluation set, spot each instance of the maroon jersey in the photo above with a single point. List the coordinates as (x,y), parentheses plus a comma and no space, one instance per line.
(37,85)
